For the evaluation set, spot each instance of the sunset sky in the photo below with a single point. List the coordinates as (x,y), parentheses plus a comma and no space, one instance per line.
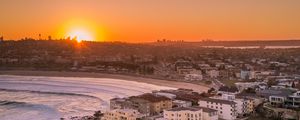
(149,20)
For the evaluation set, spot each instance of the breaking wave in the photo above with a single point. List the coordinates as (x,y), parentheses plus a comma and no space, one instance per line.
(51,98)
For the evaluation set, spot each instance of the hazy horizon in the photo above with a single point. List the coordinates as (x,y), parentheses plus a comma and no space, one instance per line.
(147,21)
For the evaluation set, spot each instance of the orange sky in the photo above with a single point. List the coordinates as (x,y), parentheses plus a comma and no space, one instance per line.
(149,20)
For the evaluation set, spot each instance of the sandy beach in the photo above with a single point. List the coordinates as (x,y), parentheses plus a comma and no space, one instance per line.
(167,83)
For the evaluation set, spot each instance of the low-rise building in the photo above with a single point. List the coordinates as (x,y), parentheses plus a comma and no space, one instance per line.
(193,77)
(122,114)
(181,103)
(226,108)
(190,113)
(213,73)
(157,103)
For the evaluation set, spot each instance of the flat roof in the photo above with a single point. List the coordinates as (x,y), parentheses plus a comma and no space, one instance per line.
(218,101)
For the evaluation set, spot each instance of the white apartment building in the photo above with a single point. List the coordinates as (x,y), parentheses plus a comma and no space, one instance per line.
(190,113)
(243,105)
(226,108)
(122,114)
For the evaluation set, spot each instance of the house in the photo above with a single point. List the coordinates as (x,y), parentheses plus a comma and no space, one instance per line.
(293,100)
(193,77)
(183,67)
(122,114)
(245,74)
(255,85)
(213,73)
(190,113)
(276,96)
(226,108)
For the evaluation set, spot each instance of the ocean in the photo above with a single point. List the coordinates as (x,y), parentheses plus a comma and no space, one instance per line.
(52,98)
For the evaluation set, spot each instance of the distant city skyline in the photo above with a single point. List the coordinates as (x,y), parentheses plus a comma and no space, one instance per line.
(147,21)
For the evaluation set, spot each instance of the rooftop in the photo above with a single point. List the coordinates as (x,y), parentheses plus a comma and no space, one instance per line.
(275,92)
(193,109)
(218,101)
(228,89)
(152,97)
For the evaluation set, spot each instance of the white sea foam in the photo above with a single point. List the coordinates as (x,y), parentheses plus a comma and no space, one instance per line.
(49,98)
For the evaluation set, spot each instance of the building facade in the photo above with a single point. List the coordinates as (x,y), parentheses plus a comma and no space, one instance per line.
(190,113)
(226,109)
(122,114)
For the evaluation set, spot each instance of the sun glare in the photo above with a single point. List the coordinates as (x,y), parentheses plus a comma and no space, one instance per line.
(80,35)
(81,30)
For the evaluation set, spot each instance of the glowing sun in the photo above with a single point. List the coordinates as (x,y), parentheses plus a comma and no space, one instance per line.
(80,34)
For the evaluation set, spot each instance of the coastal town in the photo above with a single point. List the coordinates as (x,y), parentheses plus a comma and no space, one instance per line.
(245,82)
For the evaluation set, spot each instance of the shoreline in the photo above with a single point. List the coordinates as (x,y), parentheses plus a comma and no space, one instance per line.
(168,83)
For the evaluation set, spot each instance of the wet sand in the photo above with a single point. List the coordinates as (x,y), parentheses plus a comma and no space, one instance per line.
(167,83)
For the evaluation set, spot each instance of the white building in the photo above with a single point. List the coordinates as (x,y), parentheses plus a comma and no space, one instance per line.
(245,85)
(213,73)
(181,103)
(190,113)
(244,106)
(245,74)
(226,109)
(193,77)
(168,95)
(293,100)
(122,114)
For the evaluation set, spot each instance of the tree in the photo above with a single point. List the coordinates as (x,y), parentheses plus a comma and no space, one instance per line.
(211,90)
(49,38)
(98,115)
(272,82)
(293,85)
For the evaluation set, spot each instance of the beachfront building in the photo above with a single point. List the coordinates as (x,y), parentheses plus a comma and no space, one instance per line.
(182,103)
(143,106)
(190,113)
(226,108)
(123,114)
(156,104)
